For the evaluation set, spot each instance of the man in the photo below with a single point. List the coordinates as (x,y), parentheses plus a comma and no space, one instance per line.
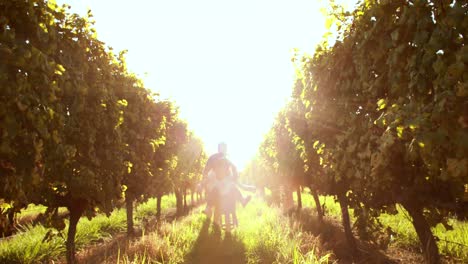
(217,169)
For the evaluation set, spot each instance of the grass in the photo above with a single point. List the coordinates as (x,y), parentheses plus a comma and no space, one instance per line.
(149,207)
(451,243)
(34,210)
(270,237)
(264,236)
(28,245)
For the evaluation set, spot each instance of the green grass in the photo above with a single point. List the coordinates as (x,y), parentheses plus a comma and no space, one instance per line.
(269,237)
(27,246)
(29,214)
(331,207)
(406,235)
(170,244)
(450,242)
(149,207)
(264,236)
(32,209)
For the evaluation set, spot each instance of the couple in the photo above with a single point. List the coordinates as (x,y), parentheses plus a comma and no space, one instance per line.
(220,179)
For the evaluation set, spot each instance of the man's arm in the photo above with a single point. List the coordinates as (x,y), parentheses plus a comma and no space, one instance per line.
(208,166)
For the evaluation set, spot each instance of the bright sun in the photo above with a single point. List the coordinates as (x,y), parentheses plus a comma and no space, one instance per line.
(227,65)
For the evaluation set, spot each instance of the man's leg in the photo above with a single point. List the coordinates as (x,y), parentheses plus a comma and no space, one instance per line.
(216,206)
(210,200)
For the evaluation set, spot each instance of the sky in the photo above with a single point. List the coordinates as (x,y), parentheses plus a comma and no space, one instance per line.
(226,64)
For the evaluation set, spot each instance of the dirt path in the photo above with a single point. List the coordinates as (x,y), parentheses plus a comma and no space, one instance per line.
(100,252)
(216,247)
(332,238)
(212,245)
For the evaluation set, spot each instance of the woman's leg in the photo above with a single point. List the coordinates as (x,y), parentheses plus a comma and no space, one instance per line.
(227,221)
(235,222)
(238,196)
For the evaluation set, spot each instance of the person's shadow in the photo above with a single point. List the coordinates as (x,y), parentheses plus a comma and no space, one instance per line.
(215,246)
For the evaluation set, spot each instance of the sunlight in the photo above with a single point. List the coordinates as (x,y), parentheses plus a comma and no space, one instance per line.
(227,65)
(103,149)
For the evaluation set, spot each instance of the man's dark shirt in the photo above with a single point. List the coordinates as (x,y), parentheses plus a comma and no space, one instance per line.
(221,166)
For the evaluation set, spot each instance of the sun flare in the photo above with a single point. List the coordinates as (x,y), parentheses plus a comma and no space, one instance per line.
(227,65)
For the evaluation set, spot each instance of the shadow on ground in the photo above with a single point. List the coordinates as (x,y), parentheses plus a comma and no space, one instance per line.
(99,252)
(215,246)
(331,238)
